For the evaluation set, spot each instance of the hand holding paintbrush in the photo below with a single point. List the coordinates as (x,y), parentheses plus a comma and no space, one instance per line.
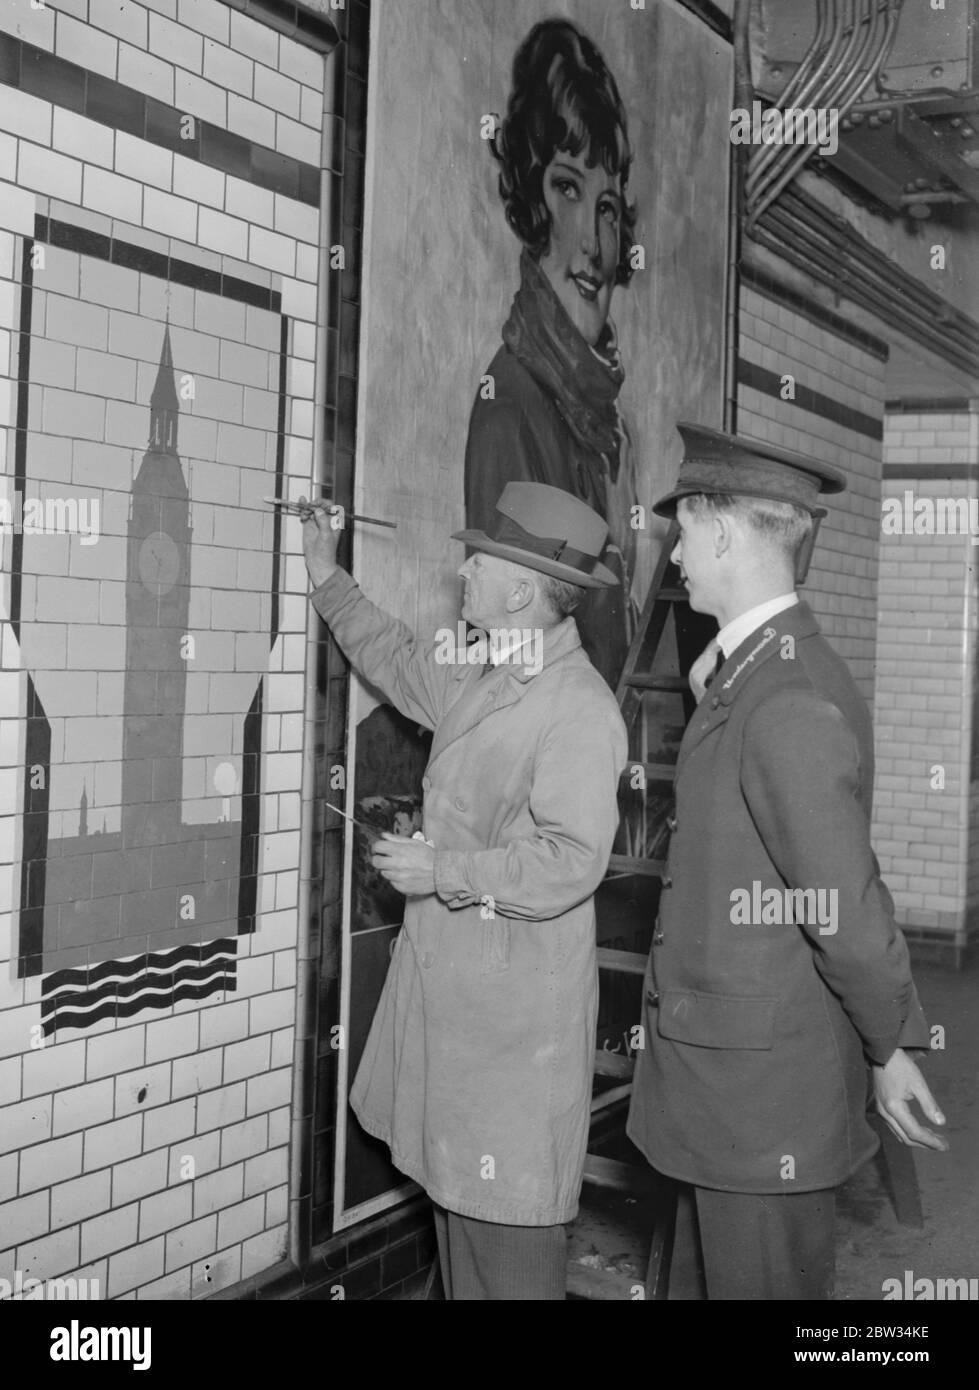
(321,535)
(322,523)
(303,508)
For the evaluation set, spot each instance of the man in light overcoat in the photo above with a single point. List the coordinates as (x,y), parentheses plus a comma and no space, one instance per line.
(478,1067)
(778,983)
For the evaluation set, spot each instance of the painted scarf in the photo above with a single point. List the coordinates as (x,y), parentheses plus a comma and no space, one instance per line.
(585,382)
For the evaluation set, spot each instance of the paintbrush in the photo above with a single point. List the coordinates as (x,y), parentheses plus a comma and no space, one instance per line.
(300,508)
(373,828)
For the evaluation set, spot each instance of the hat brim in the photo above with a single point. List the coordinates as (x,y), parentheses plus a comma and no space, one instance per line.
(666,506)
(600,578)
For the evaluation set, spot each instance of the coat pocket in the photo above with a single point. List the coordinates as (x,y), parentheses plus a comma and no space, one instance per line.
(496,945)
(716,1020)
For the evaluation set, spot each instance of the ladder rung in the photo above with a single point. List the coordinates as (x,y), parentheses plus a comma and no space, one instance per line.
(613,1063)
(649,682)
(622,1177)
(606,1099)
(628,864)
(624,962)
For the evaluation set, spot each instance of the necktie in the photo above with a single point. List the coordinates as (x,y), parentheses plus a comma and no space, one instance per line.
(708,679)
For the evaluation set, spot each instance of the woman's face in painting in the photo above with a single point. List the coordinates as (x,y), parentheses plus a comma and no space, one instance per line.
(585,205)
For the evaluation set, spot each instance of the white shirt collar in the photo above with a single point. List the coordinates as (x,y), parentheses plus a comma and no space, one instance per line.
(734,633)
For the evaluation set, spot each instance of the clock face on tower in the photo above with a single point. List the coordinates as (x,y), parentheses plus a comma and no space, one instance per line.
(159,562)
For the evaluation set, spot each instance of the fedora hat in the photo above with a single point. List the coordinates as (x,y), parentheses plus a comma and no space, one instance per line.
(714,462)
(549,530)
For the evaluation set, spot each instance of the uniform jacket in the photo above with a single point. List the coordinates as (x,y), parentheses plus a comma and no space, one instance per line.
(477,1070)
(754,1073)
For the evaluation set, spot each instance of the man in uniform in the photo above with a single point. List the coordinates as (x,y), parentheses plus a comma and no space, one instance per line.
(777,976)
(477,1071)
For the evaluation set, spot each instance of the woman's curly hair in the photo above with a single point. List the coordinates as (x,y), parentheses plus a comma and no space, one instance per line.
(563,99)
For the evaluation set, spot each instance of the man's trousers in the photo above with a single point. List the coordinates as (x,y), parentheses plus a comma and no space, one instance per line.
(481,1260)
(738,1245)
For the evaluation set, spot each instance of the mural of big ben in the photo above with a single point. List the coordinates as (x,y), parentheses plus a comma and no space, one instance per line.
(157,608)
(146,914)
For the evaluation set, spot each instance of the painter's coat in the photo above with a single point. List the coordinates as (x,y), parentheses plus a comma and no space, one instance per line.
(478,1067)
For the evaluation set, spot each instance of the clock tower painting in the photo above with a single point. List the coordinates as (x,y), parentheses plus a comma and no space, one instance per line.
(157,612)
(143,754)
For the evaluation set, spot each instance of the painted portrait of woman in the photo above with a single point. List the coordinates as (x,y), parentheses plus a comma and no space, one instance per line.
(549,412)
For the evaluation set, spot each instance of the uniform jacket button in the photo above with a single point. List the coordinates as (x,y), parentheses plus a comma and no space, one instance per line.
(658,938)
(428,960)
(461,804)
(671,824)
(652,997)
(667,881)
(715,702)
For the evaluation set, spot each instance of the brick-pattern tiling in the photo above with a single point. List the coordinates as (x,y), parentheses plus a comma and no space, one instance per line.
(153,1156)
(926,655)
(842,582)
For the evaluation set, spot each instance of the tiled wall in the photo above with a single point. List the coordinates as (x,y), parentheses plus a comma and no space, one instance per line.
(835,416)
(926,662)
(150,1149)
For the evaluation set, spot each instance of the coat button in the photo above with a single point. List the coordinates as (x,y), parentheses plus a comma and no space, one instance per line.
(658,939)
(428,960)
(714,704)
(652,997)
(667,881)
(461,804)
(670,823)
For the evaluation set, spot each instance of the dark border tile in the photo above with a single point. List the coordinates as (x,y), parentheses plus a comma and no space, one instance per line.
(929,405)
(269,169)
(80,239)
(309,184)
(256,295)
(224,150)
(164,125)
(769,384)
(198,277)
(111,104)
(9,60)
(52,79)
(931,472)
(140,258)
